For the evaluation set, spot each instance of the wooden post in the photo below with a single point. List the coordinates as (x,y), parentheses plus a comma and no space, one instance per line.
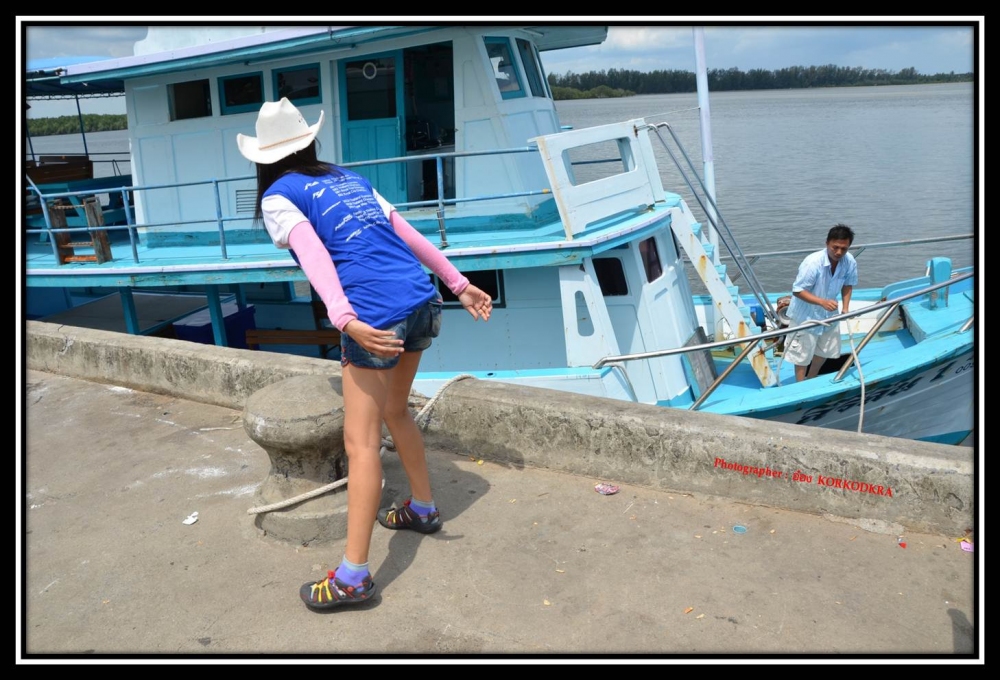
(57,216)
(99,237)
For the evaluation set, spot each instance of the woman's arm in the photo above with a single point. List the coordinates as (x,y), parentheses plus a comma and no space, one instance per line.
(429,256)
(322,274)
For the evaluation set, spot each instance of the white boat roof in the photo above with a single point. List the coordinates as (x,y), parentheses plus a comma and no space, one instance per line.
(169,48)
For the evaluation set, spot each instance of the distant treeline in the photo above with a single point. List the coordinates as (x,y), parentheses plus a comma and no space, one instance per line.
(70,125)
(603,83)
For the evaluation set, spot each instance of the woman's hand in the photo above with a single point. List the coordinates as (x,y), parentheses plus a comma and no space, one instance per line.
(476,302)
(380,343)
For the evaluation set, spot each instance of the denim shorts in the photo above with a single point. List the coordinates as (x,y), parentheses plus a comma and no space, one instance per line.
(415,331)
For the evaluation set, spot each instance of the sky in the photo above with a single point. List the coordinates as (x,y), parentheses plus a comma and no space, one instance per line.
(755,43)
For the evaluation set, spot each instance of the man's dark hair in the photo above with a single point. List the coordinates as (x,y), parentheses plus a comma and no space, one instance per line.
(839,232)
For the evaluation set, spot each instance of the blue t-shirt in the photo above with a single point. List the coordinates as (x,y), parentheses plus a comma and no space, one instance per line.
(381,277)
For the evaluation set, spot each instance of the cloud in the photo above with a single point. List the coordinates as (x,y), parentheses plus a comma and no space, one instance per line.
(645,39)
(101,42)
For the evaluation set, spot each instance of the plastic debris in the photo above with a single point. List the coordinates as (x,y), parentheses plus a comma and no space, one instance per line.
(739,529)
(700,616)
(966,546)
(901,542)
(192,518)
(546,603)
(689,610)
(606,489)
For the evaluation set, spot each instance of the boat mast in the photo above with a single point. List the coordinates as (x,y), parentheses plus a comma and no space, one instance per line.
(708,157)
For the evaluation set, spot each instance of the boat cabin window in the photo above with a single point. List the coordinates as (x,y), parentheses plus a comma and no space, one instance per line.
(504,68)
(650,259)
(531,67)
(490,281)
(299,83)
(371,88)
(241,94)
(598,160)
(611,276)
(192,99)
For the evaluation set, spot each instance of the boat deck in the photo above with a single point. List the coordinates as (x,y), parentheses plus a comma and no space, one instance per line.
(928,331)
(165,258)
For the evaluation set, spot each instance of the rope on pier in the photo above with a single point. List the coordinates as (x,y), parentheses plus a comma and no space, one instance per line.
(387,444)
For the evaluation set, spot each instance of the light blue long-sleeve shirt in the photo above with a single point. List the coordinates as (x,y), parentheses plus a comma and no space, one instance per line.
(814,276)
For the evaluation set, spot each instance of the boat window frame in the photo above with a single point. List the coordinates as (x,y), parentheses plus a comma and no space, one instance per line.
(318,99)
(504,43)
(611,288)
(227,109)
(648,262)
(488,280)
(189,85)
(532,66)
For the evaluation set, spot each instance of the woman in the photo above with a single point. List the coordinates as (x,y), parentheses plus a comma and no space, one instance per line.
(364,261)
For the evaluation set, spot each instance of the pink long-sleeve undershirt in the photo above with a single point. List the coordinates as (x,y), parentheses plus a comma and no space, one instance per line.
(315,261)
(428,254)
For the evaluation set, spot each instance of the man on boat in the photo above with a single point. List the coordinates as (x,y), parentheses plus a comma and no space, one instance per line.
(814,298)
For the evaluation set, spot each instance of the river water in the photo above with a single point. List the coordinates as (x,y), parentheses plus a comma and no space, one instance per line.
(892,162)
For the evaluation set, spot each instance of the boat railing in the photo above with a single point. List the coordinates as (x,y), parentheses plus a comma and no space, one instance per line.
(887,308)
(856,249)
(221,220)
(719,228)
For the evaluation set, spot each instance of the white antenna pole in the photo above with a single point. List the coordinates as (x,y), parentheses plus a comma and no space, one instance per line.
(708,157)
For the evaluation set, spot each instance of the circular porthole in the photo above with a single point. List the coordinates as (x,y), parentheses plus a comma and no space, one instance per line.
(369,70)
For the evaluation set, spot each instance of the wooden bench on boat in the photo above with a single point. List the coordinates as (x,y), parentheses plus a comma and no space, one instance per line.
(59,169)
(323,336)
(326,339)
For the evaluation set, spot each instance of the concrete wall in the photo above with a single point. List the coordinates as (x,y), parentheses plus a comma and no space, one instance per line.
(879,483)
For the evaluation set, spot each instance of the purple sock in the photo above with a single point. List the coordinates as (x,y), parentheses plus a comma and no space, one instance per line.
(351,574)
(421,508)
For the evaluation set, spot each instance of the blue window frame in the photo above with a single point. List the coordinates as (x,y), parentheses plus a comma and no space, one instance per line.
(504,68)
(531,67)
(241,94)
(299,83)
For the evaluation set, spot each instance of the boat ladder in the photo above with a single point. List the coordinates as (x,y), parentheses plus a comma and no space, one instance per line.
(725,294)
(700,247)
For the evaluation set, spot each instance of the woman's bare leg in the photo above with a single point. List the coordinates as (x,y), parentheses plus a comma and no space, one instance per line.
(365,392)
(405,433)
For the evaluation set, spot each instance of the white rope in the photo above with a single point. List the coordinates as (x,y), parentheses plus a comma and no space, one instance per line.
(387,444)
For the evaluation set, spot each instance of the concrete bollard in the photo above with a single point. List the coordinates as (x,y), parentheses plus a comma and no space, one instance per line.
(299,422)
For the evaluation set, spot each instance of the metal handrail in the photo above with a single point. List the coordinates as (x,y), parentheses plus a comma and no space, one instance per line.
(715,218)
(219,219)
(883,317)
(856,249)
(753,340)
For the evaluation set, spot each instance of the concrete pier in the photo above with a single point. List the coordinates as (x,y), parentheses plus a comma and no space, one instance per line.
(717,542)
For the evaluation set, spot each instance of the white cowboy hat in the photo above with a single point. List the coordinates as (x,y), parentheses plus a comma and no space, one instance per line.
(281,130)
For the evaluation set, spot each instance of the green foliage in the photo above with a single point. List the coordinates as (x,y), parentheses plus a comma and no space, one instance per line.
(626,83)
(70,125)
(599,92)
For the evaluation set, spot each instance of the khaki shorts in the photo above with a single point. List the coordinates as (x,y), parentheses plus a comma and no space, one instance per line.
(803,345)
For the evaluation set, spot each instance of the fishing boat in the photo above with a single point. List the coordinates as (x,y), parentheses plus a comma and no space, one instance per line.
(456,126)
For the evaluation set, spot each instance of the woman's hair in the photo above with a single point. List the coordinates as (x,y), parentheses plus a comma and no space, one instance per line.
(304,162)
